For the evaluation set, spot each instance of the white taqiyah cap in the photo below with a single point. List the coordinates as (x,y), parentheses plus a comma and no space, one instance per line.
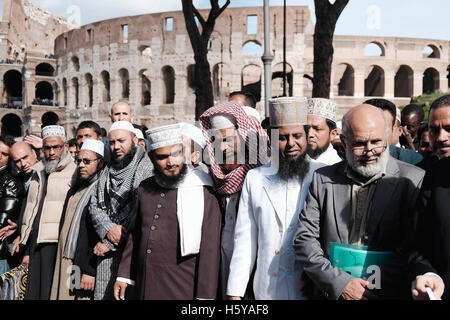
(194,133)
(139,134)
(222,121)
(122,125)
(287,111)
(252,112)
(93,145)
(164,136)
(54,131)
(323,108)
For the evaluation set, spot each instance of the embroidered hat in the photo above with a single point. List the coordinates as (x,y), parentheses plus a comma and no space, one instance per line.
(287,111)
(54,131)
(164,136)
(323,108)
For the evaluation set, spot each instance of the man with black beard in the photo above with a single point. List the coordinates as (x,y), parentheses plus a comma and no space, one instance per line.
(321,120)
(75,230)
(112,203)
(268,212)
(366,200)
(52,179)
(173,247)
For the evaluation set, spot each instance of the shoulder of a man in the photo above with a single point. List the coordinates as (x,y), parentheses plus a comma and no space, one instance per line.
(407,170)
(330,174)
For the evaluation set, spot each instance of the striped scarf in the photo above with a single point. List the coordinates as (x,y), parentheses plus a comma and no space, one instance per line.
(229,183)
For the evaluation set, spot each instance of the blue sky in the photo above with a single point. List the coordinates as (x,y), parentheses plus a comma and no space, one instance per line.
(395,18)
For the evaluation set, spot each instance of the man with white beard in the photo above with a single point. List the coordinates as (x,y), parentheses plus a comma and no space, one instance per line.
(365,200)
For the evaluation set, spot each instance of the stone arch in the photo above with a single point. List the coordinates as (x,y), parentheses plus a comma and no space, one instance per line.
(277,80)
(105,86)
(374,83)
(346,75)
(221,80)
(43,90)
(124,77)
(11,125)
(12,84)
(64,84)
(146,95)
(89,89)
(431,51)
(44,69)
(404,81)
(374,49)
(251,80)
(252,47)
(168,75)
(49,118)
(430,81)
(75,63)
(75,92)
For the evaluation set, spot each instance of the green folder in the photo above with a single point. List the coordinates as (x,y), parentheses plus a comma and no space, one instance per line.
(355,259)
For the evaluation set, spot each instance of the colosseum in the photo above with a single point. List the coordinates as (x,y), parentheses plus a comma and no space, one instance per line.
(53,68)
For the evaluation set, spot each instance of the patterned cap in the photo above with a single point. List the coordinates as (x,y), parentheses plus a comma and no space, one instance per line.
(323,108)
(54,131)
(287,111)
(164,136)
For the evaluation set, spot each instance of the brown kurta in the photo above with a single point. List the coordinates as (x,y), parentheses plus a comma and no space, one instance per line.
(152,254)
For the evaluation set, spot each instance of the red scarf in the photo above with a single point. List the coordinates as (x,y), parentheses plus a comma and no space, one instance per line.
(229,183)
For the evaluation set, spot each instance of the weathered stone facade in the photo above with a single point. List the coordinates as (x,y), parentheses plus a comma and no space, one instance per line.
(148,60)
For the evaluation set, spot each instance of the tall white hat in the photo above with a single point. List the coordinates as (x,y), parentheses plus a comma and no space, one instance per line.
(323,108)
(164,136)
(93,145)
(287,111)
(122,125)
(54,131)
(194,133)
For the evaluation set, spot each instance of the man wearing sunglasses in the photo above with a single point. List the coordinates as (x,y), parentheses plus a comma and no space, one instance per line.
(365,200)
(77,236)
(54,176)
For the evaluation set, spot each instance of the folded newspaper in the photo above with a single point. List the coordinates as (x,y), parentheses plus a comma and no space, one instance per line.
(355,259)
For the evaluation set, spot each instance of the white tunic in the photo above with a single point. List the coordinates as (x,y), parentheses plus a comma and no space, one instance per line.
(266,224)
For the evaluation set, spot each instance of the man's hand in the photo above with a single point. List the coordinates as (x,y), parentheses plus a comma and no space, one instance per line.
(115,234)
(119,290)
(408,138)
(25,260)
(100,249)
(418,287)
(234,298)
(87,282)
(8,230)
(16,246)
(356,289)
(35,141)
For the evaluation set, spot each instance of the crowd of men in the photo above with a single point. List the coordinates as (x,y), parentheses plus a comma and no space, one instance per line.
(234,208)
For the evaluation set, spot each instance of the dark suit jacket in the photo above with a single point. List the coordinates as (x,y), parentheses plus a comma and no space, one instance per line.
(327,217)
(431,239)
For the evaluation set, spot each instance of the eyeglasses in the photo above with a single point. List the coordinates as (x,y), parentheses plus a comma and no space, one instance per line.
(85,161)
(57,147)
(362,150)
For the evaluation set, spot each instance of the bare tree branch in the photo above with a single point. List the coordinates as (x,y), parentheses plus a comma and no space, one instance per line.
(224,7)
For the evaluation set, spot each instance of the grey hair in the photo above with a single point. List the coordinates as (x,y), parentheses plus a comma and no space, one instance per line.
(344,125)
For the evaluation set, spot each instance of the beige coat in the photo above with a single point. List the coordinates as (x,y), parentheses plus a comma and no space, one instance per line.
(59,182)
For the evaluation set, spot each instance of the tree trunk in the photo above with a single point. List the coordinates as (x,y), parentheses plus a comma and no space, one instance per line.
(326,18)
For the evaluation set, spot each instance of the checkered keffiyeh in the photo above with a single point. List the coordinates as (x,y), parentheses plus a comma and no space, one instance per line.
(230,183)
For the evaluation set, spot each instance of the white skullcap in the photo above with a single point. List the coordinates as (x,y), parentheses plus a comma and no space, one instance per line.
(122,125)
(138,134)
(93,145)
(164,136)
(252,112)
(287,111)
(323,108)
(222,121)
(194,133)
(54,131)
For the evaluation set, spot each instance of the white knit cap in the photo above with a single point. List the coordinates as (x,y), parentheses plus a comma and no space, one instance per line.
(139,134)
(93,145)
(54,131)
(194,133)
(122,125)
(164,136)
(252,112)
(222,121)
